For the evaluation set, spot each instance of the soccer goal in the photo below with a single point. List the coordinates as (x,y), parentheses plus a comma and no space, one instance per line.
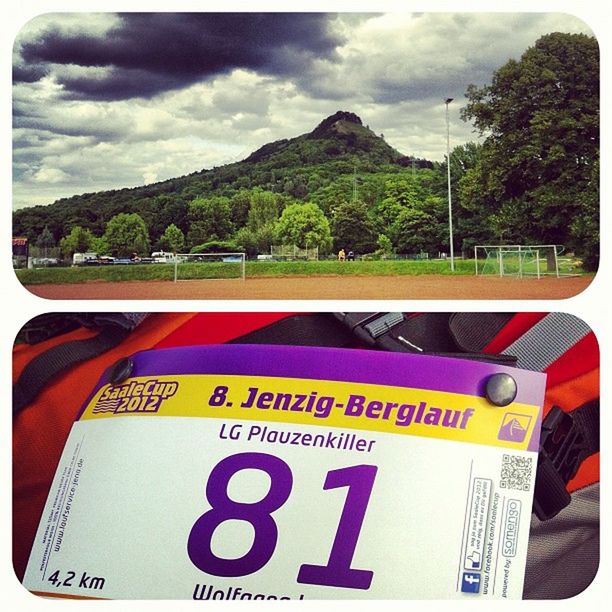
(213,266)
(291,251)
(517,260)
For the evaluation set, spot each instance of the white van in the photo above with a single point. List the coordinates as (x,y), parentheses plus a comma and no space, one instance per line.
(80,259)
(162,257)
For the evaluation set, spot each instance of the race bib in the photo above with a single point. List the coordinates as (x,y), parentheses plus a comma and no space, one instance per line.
(255,472)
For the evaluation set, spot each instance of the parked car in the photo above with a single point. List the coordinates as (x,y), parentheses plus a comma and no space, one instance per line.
(162,257)
(45,262)
(81,259)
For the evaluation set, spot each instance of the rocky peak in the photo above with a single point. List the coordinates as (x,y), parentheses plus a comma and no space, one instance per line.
(328,124)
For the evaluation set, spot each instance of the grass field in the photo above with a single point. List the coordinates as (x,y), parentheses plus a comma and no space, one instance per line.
(156,272)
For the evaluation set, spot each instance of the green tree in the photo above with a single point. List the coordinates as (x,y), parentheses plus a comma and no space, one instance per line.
(209,219)
(418,231)
(585,228)
(79,240)
(473,221)
(240,203)
(172,239)
(99,245)
(161,211)
(304,225)
(127,233)
(385,214)
(352,228)
(45,241)
(255,242)
(385,246)
(216,246)
(541,118)
(264,210)
(333,193)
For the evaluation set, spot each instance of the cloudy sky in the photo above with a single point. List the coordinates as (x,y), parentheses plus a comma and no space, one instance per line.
(117,100)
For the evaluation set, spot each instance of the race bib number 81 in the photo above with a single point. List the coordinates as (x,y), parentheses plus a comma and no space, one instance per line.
(252,472)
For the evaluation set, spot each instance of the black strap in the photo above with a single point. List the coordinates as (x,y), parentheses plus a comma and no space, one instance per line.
(424,333)
(46,366)
(45,326)
(301,330)
(472,331)
(567,439)
(428,333)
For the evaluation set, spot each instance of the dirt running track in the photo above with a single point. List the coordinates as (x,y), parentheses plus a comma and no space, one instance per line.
(325,287)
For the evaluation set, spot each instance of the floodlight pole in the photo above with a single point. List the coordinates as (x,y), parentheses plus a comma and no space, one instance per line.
(447,101)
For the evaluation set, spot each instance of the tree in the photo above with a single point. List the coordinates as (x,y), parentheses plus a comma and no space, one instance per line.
(254,242)
(209,219)
(172,239)
(385,214)
(161,211)
(541,118)
(99,245)
(216,246)
(585,229)
(304,225)
(79,240)
(240,204)
(385,246)
(418,231)
(45,241)
(127,233)
(472,213)
(264,210)
(352,227)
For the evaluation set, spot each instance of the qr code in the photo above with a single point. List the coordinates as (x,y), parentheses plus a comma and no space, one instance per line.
(516,472)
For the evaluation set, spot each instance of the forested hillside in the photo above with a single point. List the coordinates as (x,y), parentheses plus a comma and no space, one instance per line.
(533,179)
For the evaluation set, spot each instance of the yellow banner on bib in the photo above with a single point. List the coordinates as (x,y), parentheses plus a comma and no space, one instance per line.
(397,410)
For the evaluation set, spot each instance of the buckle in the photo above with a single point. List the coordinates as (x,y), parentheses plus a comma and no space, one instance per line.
(46,326)
(383,324)
(384,331)
(374,329)
(562,449)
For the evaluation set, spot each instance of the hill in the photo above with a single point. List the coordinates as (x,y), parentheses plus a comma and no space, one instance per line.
(299,168)
(340,135)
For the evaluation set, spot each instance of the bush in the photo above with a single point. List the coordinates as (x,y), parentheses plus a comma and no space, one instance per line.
(216,246)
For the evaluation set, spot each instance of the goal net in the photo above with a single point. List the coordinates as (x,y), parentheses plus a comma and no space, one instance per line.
(291,251)
(214,266)
(517,260)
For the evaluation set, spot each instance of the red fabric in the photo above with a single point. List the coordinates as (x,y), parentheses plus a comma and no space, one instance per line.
(580,359)
(218,327)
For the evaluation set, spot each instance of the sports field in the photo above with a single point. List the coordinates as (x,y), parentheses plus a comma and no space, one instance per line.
(345,286)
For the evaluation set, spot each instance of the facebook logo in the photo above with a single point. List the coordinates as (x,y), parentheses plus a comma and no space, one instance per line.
(470,582)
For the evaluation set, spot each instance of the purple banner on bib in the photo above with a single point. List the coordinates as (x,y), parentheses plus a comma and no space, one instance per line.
(467,377)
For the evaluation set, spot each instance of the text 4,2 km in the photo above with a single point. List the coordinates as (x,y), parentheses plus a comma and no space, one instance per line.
(80,580)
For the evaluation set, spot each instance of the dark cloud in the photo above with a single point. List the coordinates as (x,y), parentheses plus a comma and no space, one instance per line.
(151,53)
(236,82)
(29,74)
